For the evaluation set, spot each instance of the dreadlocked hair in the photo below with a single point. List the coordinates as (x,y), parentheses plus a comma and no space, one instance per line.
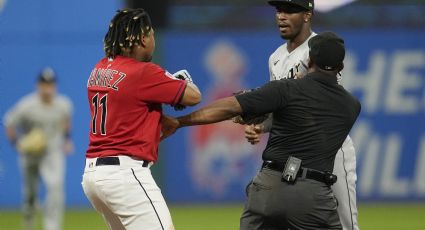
(125,31)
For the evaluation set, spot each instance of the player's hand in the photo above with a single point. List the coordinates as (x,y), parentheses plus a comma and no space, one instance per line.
(183,75)
(253,133)
(169,126)
(302,70)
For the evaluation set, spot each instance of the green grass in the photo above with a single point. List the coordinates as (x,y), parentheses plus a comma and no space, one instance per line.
(226,217)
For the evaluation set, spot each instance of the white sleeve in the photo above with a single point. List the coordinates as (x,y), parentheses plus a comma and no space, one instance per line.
(70,107)
(267,124)
(67,106)
(270,68)
(14,117)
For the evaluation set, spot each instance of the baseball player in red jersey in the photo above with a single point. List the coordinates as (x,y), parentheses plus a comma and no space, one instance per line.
(126,92)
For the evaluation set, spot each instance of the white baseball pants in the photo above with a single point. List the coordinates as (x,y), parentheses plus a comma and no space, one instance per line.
(126,195)
(345,187)
(51,168)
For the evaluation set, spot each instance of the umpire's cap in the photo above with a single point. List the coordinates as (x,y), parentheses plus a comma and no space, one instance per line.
(47,75)
(306,4)
(327,50)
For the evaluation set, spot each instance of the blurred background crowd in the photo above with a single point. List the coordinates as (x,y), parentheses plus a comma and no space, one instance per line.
(225,46)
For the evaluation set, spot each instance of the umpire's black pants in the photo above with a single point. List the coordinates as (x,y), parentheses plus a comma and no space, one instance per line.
(276,205)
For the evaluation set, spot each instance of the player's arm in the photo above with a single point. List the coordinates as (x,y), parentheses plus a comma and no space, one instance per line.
(67,124)
(159,86)
(68,145)
(191,95)
(11,134)
(12,119)
(68,110)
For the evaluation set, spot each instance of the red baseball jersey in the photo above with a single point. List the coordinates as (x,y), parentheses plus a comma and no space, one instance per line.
(125,98)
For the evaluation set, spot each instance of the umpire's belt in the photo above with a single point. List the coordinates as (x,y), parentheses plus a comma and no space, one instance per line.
(114,161)
(325,177)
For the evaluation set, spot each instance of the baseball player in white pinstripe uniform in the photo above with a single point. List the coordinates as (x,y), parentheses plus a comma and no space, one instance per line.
(38,125)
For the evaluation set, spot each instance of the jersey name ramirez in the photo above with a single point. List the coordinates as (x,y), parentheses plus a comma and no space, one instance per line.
(107,78)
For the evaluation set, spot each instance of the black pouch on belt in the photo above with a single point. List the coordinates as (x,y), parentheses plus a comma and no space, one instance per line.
(292,167)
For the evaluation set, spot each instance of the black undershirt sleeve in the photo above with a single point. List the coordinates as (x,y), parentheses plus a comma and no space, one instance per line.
(269,98)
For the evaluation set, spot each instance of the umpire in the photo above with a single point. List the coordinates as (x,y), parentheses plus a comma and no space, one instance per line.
(311,118)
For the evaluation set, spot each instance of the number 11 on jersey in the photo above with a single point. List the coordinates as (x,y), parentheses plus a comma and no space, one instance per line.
(102,106)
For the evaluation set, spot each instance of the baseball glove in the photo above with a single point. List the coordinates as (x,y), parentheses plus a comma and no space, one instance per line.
(33,143)
(249,119)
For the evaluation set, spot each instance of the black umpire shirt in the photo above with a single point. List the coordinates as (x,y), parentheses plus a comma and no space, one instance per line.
(312,116)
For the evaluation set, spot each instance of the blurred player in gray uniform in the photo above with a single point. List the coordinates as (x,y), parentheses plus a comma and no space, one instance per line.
(38,126)
(290,61)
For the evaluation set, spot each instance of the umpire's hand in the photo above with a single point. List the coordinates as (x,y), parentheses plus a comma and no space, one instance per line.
(169,125)
(253,133)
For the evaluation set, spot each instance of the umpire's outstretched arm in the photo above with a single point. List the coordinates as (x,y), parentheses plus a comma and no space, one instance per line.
(217,111)
(262,101)
(266,99)
(220,110)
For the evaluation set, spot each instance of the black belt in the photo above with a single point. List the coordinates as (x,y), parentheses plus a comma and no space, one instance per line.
(114,161)
(325,177)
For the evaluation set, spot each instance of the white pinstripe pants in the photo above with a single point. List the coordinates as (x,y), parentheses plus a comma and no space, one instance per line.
(51,168)
(345,187)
